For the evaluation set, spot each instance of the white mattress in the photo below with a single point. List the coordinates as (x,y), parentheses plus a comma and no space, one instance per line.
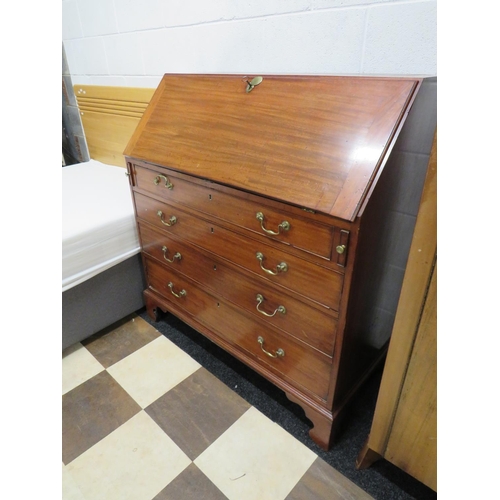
(98,224)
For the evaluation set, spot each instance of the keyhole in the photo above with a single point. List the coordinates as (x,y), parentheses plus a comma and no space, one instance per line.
(215,267)
(209,196)
(211,229)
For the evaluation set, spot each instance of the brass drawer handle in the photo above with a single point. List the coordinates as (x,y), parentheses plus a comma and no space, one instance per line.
(279,353)
(176,255)
(170,222)
(285,225)
(280,268)
(280,309)
(179,295)
(158,179)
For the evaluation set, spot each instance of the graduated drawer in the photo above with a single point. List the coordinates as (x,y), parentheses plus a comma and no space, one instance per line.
(303,277)
(302,366)
(302,233)
(260,298)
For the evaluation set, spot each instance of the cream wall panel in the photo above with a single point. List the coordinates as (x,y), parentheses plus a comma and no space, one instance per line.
(269,36)
(401,38)
(124,54)
(98,17)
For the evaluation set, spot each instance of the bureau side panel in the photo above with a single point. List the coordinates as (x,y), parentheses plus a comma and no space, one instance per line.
(385,232)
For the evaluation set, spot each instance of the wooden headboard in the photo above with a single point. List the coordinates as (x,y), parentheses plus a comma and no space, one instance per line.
(109,117)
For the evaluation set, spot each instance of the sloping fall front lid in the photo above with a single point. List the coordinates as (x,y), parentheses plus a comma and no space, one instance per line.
(314,141)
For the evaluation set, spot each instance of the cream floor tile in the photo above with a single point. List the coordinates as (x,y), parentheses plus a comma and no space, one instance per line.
(78,366)
(154,369)
(70,490)
(135,462)
(255,459)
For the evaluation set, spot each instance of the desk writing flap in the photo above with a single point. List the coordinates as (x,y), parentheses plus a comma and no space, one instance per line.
(313,141)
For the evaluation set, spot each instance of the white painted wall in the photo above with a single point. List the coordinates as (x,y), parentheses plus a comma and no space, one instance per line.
(134,42)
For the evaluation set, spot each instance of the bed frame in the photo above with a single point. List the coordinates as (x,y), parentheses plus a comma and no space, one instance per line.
(109,117)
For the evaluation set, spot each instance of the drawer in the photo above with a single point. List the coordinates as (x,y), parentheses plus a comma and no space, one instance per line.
(298,275)
(300,365)
(282,310)
(262,217)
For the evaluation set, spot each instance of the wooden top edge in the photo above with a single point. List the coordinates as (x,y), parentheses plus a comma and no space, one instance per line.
(299,75)
(132,94)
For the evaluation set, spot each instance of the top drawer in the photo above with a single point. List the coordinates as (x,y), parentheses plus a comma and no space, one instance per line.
(258,217)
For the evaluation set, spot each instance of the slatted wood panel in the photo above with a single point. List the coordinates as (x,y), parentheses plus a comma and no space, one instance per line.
(109,117)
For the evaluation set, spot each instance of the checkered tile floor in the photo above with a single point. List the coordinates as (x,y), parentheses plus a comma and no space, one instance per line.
(142,420)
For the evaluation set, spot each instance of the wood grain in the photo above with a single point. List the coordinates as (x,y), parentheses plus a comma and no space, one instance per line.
(302,319)
(406,405)
(308,150)
(110,116)
(301,277)
(412,444)
(331,134)
(306,368)
(304,233)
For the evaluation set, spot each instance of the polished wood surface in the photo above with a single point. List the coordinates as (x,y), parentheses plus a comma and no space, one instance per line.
(301,366)
(301,276)
(302,319)
(303,233)
(315,142)
(205,158)
(404,424)
(109,117)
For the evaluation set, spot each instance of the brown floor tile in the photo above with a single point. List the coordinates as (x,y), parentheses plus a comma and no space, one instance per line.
(91,411)
(323,482)
(121,339)
(211,406)
(191,484)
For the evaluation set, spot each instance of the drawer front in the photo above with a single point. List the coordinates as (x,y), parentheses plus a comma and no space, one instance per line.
(302,366)
(303,277)
(261,218)
(282,310)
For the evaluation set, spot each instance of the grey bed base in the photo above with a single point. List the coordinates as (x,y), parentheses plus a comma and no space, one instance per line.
(102,300)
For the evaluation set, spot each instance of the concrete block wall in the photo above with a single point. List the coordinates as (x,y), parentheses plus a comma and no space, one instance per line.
(134,42)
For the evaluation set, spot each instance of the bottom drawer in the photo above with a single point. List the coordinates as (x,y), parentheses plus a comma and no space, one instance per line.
(300,365)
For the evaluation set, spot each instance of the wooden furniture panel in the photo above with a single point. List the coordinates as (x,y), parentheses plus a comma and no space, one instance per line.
(300,276)
(300,232)
(301,365)
(415,425)
(110,116)
(404,424)
(315,146)
(213,151)
(301,319)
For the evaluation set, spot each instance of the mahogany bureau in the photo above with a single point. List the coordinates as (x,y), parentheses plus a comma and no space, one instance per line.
(252,198)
